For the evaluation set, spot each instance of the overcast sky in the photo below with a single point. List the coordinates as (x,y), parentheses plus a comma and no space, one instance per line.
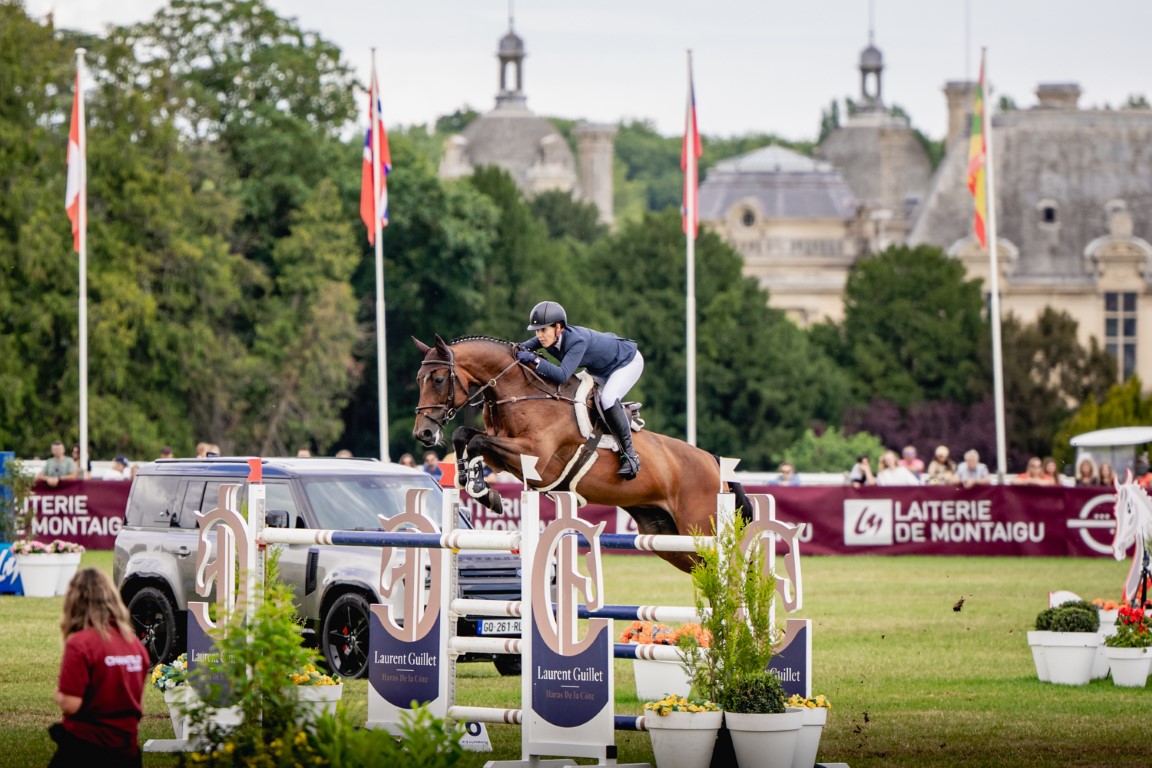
(760,65)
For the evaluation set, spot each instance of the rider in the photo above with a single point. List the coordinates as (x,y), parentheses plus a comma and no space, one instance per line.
(615,364)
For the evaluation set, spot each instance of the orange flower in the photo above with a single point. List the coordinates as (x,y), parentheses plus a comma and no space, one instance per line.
(648,633)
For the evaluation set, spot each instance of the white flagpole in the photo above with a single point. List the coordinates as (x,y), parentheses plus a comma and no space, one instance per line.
(690,290)
(994,280)
(83,330)
(381,359)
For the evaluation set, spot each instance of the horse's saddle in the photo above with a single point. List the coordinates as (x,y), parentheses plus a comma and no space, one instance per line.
(590,416)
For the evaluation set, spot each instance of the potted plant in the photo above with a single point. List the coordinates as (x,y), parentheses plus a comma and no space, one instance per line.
(815,714)
(46,569)
(317,691)
(172,681)
(1128,648)
(683,730)
(1036,638)
(734,595)
(1070,647)
(1109,609)
(656,678)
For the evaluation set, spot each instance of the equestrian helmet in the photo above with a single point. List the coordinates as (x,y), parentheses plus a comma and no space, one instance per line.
(546,313)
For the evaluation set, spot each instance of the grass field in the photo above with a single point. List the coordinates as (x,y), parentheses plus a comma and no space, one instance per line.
(912,682)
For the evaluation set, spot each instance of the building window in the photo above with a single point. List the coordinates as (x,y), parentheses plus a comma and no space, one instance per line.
(1120,331)
(1049,214)
(748,218)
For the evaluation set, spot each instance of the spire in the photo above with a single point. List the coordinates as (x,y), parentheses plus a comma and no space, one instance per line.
(871,65)
(511,52)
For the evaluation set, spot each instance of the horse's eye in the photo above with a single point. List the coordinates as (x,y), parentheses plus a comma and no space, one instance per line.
(439,380)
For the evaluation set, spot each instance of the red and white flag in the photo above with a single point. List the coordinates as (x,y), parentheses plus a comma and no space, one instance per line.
(689,152)
(74,194)
(372,206)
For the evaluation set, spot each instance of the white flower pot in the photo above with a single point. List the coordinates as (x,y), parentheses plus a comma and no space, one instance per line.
(1100,663)
(39,574)
(1036,643)
(657,679)
(683,739)
(177,701)
(765,740)
(69,564)
(1130,666)
(318,699)
(1108,617)
(1070,656)
(808,743)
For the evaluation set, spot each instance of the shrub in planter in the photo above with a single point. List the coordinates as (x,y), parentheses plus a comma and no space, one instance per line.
(1075,617)
(756,693)
(1044,620)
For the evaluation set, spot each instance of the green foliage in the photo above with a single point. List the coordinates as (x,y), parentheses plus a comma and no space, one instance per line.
(1044,620)
(1122,405)
(1075,617)
(759,693)
(564,216)
(16,518)
(912,329)
(1047,375)
(831,451)
(1132,630)
(733,594)
(425,741)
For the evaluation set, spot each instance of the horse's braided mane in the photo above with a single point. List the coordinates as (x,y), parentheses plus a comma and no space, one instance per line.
(483,338)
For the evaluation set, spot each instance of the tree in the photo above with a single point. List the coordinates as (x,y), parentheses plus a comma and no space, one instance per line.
(1123,405)
(831,451)
(912,329)
(564,216)
(1048,374)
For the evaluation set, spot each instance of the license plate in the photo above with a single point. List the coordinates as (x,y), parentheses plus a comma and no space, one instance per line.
(500,627)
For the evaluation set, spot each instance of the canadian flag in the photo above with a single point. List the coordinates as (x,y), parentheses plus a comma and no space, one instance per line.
(72,195)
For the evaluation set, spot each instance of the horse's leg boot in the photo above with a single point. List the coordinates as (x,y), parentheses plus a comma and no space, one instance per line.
(617,420)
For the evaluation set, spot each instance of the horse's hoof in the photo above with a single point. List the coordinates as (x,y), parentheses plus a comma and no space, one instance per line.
(494,502)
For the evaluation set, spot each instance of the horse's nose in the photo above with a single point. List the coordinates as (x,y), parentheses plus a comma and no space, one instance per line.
(423,435)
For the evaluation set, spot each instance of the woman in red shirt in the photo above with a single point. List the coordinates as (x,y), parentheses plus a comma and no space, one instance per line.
(102,677)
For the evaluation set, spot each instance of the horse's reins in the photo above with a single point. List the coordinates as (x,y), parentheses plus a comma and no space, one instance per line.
(449,411)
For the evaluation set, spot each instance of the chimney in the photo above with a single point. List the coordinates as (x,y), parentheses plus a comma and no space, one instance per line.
(959,95)
(1057,95)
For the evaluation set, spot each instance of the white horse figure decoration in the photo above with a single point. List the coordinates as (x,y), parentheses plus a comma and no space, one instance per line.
(1133,525)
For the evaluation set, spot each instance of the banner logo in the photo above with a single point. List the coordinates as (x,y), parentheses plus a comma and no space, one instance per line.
(868,522)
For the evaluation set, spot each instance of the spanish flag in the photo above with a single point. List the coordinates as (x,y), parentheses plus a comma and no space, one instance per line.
(977,154)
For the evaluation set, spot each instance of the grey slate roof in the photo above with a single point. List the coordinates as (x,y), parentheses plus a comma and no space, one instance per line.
(509,137)
(784,184)
(1072,160)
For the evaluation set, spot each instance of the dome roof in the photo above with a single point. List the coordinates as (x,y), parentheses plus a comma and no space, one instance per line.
(511,45)
(514,139)
(871,58)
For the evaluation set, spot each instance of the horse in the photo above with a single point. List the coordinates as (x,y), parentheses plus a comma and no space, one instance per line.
(1133,514)
(674,492)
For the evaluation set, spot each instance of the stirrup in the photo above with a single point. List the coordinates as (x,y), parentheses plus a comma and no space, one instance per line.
(629,466)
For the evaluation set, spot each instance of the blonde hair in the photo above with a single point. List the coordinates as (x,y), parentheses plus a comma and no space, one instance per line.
(92,602)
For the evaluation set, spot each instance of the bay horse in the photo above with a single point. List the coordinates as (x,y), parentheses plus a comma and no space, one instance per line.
(674,492)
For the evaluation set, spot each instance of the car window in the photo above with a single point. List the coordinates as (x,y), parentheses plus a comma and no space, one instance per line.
(193,503)
(279,496)
(352,503)
(153,501)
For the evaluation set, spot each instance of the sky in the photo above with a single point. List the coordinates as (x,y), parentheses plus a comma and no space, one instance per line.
(761,66)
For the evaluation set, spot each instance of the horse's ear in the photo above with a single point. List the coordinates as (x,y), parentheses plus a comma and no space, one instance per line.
(441,344)
(421,346)
(1128,476)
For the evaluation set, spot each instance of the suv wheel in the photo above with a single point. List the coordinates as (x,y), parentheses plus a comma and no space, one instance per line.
(344,636)
(507,665)
(154,621)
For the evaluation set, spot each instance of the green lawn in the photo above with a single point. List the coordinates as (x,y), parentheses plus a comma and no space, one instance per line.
(912,682)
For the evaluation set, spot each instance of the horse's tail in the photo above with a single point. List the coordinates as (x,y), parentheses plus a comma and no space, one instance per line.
(743,503)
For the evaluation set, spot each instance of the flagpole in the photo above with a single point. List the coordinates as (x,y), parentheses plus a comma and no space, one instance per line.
(994,281)
(690,238)
(82,143)
(381,353)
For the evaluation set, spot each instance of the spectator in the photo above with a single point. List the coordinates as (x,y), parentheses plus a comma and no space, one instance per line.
(213,450)
(787,476)
(1086,472)
(120,470)
(166,452)
(861,473)
(941,470)
(202,450)
(431,464)
(87,472)
(102,676)
(1107,475)
(1141,473)
(1052,471)
(972,471)
(303,453)
(408,460)
(911,461)
(59,467)
(892,472)
(343,453)
(1033,475)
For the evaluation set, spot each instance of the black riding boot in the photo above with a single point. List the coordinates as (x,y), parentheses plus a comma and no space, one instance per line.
(617,420)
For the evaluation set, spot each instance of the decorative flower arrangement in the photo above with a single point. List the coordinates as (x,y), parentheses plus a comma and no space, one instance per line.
(1132,630)
(26,547)
(648,633)
(673,703)
(166,677)
(796,700)
(310,675)
(1106,605)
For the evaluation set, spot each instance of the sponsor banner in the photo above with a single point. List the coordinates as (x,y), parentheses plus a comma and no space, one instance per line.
(1012,521)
